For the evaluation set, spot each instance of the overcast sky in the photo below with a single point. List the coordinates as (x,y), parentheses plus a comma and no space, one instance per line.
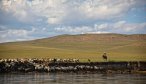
(33,19)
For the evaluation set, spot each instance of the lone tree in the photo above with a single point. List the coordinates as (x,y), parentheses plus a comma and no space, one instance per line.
(104,56)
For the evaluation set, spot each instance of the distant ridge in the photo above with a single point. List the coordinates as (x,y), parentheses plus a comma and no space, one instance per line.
(91,37)
(95,37)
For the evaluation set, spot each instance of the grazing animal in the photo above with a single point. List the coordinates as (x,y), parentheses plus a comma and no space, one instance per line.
(104,56)
(89,60)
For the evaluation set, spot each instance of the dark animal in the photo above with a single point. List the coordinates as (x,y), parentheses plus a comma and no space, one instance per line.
(54,60)
(104,56)
(89,60)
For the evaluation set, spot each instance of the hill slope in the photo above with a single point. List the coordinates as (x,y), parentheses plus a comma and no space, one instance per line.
(84,46)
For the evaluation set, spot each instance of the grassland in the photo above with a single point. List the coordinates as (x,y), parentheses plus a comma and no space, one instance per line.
(87,46)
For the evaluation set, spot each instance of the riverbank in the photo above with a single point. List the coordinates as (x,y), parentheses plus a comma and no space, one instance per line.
(69,65)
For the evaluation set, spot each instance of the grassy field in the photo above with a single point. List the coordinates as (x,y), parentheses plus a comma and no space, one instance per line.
(118,47)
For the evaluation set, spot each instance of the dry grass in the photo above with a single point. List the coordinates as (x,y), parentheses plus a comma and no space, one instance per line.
(128,48)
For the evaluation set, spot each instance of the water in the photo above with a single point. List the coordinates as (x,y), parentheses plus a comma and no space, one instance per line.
(72,78)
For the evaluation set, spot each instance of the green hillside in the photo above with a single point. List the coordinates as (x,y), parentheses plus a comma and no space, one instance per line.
(119,47)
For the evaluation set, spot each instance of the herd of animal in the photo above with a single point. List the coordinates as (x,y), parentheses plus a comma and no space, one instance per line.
(65,65)
(34,64)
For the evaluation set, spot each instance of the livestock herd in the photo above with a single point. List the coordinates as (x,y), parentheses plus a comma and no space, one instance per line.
(66,65)
(30,65)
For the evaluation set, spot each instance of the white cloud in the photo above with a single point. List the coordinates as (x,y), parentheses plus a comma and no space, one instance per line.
(67,16)
(98,32)
(61,11)
(117,27)
(8,35)
(129,27)
(18,8)
(18,34)
(12,32)
(101,26)
(70,29)
(119,24)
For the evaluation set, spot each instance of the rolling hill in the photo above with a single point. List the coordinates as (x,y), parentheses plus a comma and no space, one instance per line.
(119,47)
